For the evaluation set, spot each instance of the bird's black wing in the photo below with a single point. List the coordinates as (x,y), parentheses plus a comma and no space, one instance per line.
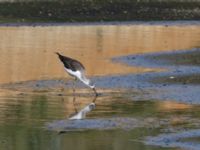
(76,65)
(70,63)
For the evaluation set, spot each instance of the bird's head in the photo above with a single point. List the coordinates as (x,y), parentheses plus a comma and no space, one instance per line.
(91,84)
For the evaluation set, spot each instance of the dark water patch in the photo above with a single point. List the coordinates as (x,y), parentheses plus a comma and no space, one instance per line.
(176,140)
(107,139)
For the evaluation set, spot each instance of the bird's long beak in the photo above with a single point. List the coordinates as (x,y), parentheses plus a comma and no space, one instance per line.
(96,94)
(57,53)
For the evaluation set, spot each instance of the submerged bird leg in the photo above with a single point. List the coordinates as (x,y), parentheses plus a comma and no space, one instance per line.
(74,86)
(96,94)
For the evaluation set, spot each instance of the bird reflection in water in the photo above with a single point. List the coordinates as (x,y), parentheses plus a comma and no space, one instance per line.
(82,113)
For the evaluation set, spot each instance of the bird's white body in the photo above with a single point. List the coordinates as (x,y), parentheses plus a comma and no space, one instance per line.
(76,74)
(79,75)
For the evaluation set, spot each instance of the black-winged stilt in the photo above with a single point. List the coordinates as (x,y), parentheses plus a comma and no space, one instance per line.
(82,113)
(77,70)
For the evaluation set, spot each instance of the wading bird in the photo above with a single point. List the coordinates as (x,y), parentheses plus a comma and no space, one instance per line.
(77,70)
(82,113)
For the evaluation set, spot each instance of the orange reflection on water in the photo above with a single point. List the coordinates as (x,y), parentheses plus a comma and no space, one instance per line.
(27,53)
(171,105)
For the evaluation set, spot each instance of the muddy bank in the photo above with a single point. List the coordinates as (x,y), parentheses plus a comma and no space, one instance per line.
(90,11)
(165,23)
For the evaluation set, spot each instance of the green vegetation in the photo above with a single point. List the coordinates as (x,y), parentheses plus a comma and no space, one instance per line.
(98,10)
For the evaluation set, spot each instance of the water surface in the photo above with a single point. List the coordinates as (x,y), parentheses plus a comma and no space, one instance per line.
(27,52)
(23,119)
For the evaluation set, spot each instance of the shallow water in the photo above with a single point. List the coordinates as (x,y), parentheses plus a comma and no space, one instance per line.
(27,53)
(23,119)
